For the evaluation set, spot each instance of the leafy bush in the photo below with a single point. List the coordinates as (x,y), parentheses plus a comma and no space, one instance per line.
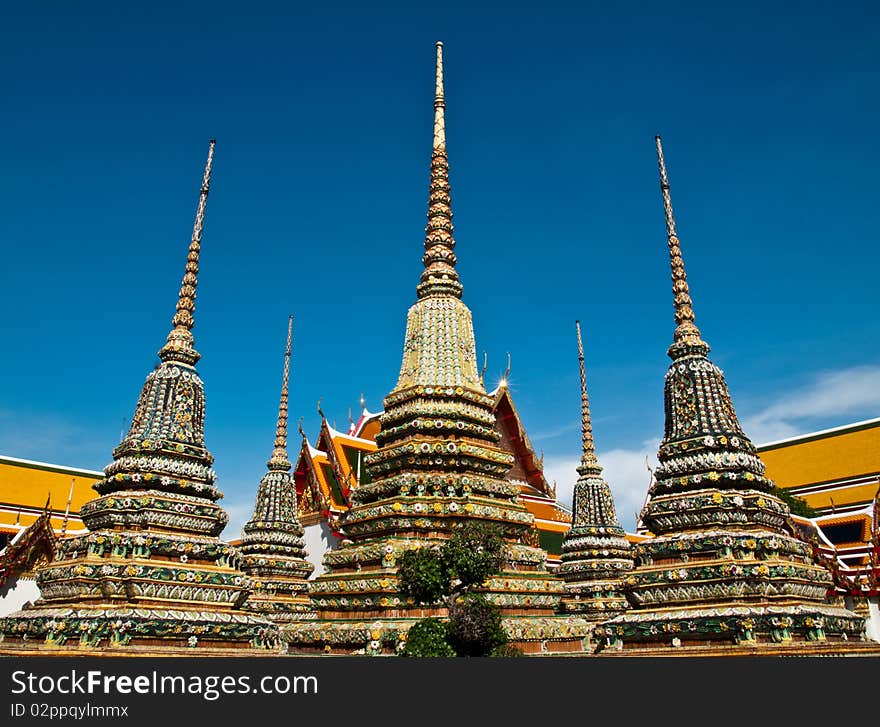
(473,554)
(475,627)
(423,576)
(449,572)
(427,638)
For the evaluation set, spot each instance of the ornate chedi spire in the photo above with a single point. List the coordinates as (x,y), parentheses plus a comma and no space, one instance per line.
(272,549)
(152,572)
(595,552)
(439,462)
(179,346)
(723,567)
(439,276)
(687,339)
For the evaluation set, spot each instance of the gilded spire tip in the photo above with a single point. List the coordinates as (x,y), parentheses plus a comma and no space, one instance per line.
(439,102)
(687,340)
(179,346)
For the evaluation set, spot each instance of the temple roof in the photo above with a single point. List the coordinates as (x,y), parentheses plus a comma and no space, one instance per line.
(26,484)
(843,457)
(36,541)
(334,461)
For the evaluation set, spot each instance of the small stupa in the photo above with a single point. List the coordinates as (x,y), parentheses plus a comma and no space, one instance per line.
(272,547)
(724,572)
(596,555)
(151,576)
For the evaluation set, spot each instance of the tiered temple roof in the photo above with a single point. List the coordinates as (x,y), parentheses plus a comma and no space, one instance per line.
(836,472)
(327,473)
(439,462)
(723,569)
(151,574)
(595,553)
(26,485)
(272,548)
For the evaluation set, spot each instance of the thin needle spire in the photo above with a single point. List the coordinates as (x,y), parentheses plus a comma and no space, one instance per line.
(179,346)
(439,276)
(687,339)
(589,462)
(279,459)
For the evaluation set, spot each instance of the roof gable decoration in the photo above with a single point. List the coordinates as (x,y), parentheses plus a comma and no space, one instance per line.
(32,547)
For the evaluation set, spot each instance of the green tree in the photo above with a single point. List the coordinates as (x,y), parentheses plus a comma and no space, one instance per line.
(475,627)
(424,576)
(448,574)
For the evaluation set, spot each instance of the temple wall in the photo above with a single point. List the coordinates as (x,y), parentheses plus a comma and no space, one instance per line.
(319,539)
(872,626)
(16,592)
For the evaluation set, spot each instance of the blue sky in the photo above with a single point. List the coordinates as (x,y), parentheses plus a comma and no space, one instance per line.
(323,122)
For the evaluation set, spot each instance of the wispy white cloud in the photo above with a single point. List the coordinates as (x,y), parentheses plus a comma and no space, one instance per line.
(557,432)
(852,393)
(624,470)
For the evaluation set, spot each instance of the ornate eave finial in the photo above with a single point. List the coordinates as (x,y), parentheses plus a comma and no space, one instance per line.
(279,459)
(687,339)
(439,276)
(179,346)
(505,377)
(589,462)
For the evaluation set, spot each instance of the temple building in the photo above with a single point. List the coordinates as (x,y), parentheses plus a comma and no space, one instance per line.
(439,461)
(327,473)
(150,575)
(596,553)
(39,502)
(836,472)
(129,561)
(272,548)
(724,572)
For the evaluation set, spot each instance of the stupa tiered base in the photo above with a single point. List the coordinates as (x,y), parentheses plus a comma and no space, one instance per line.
(756,590)
(161,591)
(137,632)
(737,630)
(360,608)
(595,561)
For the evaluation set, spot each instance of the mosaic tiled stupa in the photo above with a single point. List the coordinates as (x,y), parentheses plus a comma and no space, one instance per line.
(151,575)
(272,548)
(723,572)
(439,463)
(595,552)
